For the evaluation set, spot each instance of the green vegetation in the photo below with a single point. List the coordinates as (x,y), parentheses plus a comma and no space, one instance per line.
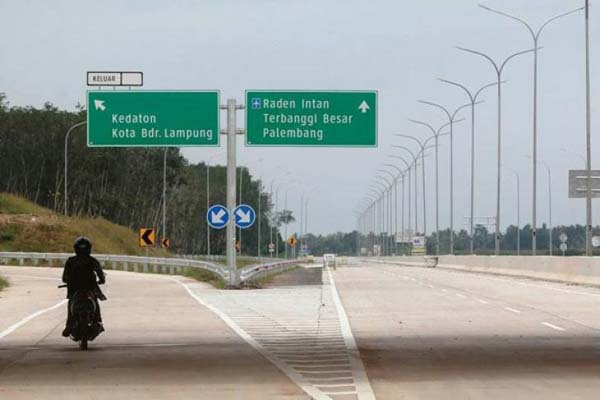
(3,283)
(205,276)
(25,226)
(265,280)
(120,185)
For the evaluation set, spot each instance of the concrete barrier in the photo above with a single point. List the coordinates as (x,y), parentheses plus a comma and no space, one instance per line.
(581,270)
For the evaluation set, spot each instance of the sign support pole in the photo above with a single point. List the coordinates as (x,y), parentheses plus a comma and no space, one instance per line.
(231,191)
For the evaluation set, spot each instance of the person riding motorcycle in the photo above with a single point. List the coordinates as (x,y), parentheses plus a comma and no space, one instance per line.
(80,273)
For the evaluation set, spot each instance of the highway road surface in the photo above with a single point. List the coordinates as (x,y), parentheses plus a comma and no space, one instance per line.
(369,331)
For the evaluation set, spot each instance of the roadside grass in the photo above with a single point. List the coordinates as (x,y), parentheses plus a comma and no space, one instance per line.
(205,276)
(265,280)
(3,283)
(25,226)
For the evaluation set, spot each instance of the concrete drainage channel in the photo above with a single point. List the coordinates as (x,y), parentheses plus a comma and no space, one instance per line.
(303,330)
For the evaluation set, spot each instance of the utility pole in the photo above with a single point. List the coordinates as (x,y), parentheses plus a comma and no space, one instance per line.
(588,120)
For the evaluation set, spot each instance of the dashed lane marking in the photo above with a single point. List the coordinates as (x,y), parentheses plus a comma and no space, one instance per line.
(513,310)
(552,326)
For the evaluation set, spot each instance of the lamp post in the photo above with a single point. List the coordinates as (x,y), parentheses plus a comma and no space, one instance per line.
(383,189)
(499,68)
(535,35)
(451,120)
(66,210)
(401,173)
(208,200)
(473,99)
(435,135)
(415,161)
(408,168)
(391,184)
(588,124)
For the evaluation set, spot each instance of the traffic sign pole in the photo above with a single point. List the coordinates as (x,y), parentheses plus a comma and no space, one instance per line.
(234,278)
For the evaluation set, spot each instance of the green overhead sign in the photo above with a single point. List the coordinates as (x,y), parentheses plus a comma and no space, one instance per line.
(311,118)
(152,118)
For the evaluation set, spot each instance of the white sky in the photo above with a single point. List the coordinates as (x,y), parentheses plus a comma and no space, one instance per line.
(395,47)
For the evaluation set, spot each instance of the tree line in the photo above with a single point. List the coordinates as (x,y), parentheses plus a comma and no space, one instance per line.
(123,185)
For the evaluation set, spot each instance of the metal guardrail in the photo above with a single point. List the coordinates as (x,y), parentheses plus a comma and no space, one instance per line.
(153,264)
(138,264)
(259,270)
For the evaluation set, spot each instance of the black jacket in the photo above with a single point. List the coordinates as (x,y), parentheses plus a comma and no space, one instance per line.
(80,274)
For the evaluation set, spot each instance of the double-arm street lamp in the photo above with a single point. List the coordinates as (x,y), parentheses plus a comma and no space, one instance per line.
(535,35)
(498,68)
(473,99)
(451,121)
(408,169)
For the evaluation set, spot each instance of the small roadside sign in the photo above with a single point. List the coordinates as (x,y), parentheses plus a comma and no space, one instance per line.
(596,241)
(271,247)
(292,241)
(165,242)
(217,216)
(418,245)
(563,248)
(147,237)
(244,216)
(123,78)
(563,237)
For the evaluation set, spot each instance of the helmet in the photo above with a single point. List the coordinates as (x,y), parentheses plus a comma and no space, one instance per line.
(82,246)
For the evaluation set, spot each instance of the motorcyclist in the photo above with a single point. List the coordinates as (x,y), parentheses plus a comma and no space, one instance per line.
(80,273)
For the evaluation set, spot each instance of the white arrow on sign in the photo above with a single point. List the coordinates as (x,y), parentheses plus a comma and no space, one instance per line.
(99,104)
(244,217)
(364,107)
(217,217)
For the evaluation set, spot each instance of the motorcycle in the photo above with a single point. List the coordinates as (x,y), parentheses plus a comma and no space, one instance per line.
(83,310)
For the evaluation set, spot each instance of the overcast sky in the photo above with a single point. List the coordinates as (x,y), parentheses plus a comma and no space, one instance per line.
(396,47)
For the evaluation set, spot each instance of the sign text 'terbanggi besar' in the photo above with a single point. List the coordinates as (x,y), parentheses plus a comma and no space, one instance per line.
(311,118)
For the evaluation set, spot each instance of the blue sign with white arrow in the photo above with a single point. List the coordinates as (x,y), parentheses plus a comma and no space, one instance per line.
(244,216)
(217,216)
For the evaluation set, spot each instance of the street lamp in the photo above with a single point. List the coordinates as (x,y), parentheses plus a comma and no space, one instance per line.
(451,121)
(401,173)
(473,99)
(535,35)
(393,210)
(415,161)
(435,135)
(499,68)
(408,168)
(67,160)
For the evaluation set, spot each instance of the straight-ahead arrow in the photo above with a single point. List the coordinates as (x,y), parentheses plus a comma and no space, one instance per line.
(364,107)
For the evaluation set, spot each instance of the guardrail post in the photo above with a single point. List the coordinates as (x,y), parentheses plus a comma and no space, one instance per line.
(21,261)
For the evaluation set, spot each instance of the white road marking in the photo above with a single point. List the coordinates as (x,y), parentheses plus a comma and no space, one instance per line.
(462,296)
(360,376)
(25,320)
(482,301)
(309,346)
(555,327)
(512,310)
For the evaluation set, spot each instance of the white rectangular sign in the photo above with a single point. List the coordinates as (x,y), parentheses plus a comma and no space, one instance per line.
(100,78)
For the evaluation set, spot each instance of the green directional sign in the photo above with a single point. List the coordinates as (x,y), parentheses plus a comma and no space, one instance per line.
(311,118)
(152,118)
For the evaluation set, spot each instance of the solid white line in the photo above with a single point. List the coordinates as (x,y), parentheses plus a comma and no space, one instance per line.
(290,372)
(363,387)
(334,385)
(482,301)
(512,310)
(341,393)
(555,327)
(25,320)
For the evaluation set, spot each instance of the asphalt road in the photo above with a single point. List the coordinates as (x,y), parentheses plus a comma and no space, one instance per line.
(160,344)
(439,334)
(419,334)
